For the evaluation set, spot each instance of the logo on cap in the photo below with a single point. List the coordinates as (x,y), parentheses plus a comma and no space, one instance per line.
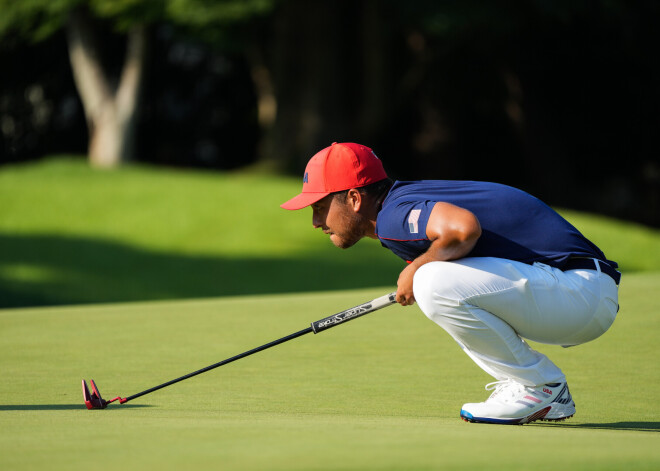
(306,178)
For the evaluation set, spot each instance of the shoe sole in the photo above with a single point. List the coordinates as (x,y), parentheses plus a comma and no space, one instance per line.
(560,412)
(542,414)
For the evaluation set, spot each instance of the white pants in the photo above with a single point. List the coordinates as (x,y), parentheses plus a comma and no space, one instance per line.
(488,305)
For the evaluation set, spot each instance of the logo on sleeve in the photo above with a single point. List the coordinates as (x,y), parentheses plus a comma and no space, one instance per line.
(413,221)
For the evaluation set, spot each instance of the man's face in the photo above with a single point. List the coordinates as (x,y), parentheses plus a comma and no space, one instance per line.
(337,217)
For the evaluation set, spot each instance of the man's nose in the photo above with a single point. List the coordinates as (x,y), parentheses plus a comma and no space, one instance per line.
(316,220)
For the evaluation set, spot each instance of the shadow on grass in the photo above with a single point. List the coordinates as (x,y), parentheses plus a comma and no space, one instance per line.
(38,270)
(632,426)
(38,407)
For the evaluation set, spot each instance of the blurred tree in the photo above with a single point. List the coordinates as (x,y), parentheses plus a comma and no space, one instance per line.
(550,96)
(547,96)
(111,97)
(335,71)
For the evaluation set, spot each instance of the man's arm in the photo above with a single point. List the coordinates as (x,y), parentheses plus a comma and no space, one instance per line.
(453,232)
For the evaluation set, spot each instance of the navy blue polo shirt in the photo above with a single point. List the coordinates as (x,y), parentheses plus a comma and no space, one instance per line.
(515,225)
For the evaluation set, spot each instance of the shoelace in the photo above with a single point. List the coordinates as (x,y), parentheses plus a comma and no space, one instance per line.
(507,388)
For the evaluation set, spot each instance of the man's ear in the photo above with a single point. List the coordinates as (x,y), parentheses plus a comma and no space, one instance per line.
(354,199)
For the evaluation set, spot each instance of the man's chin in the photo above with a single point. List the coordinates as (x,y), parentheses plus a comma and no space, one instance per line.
(342,243)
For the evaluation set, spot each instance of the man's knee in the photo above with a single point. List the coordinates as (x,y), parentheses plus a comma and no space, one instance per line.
(423,281)
(427,284)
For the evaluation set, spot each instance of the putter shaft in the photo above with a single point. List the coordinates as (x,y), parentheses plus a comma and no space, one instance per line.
(316,327)
(216,365)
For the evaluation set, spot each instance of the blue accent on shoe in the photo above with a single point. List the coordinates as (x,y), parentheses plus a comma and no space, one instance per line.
(487,420)
(567,399)
(500,421)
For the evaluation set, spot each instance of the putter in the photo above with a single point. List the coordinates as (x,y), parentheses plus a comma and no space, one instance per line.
(95,401)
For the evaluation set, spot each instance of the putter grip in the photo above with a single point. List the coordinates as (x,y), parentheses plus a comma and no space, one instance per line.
(353,313)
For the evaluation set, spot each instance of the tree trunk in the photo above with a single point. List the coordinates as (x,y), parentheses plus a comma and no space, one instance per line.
(264,89)
(307,85)
(332,79)
(111,112)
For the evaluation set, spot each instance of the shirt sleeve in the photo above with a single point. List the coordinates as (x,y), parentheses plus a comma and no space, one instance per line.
(401,227)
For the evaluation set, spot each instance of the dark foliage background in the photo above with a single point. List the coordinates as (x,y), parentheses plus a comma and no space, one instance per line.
(558,98)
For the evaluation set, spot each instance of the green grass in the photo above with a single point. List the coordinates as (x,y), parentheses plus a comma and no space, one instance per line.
(382,392)
(70,234)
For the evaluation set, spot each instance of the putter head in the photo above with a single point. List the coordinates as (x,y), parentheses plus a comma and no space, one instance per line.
(93,400)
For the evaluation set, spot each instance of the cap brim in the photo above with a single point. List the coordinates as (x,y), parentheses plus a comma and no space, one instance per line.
(303,200)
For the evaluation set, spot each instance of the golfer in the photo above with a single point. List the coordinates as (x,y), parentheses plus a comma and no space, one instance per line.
(490,264)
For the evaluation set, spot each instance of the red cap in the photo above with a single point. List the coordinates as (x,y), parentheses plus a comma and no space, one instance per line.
(336,168)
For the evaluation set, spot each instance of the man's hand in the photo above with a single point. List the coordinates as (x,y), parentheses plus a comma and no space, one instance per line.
(453,233)
(404,292)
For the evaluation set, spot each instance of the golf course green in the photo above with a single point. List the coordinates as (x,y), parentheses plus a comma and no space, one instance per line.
(137,276)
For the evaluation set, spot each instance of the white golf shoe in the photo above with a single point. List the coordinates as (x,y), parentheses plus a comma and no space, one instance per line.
(513,403)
